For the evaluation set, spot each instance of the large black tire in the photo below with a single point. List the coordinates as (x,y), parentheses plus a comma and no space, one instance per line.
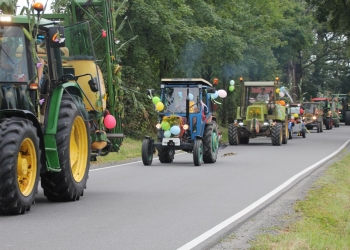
(166,155)
(303,134)
(211,143)
(318,127)
(328,123)
(147,152)
(233,136)
(277,135)
(347,117)
(321,127)
(290,136)
(244,140)
(73,146)
(198,152)
(19,165)
(285,133)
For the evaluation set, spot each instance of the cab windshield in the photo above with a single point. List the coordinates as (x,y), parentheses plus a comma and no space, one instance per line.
(175,99)
(13,63)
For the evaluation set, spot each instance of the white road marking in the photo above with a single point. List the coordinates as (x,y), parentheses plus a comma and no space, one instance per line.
(257,203)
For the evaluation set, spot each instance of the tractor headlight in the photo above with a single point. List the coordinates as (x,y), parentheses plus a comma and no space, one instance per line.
(314,117)
(185,127)
(5,19)
(240,124)
(266,123)
(158,126)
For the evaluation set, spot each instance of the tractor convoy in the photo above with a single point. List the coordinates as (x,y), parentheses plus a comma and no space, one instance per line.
(58,111)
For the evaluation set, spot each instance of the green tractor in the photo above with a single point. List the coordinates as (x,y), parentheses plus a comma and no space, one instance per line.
(53,108)
(342,107)
(262,113)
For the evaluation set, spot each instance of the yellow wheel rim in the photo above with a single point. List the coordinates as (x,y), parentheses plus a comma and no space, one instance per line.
(27,167)
(78,149)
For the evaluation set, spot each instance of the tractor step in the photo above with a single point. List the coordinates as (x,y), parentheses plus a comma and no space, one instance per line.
(113,136)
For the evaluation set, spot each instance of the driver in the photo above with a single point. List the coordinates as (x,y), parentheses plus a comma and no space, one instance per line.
(262,96)
(7,62)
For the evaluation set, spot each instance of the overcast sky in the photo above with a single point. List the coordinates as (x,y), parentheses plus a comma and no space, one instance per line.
(22,3)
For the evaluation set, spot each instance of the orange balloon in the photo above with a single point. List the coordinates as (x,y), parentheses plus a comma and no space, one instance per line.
(282,102)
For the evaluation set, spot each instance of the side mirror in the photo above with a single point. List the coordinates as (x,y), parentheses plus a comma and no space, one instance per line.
(150,92)
(56,37)
(93,85)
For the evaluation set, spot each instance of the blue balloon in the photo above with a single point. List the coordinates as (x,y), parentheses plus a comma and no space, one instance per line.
(175,130)
(190,96)
(215,95)
(167,134)
(180,94)
(232,82)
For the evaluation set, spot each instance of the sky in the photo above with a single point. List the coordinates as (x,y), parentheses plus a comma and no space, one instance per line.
(22,3)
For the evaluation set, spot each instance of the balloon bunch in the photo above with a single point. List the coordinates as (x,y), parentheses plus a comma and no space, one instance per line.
(156,101)
(281,91)
(168,129)
(232,86)
(219,93)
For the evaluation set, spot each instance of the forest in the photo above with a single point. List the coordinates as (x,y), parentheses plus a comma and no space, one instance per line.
(304,43)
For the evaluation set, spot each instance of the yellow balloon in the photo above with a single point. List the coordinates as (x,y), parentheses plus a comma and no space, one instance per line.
(159,106)
(277,91)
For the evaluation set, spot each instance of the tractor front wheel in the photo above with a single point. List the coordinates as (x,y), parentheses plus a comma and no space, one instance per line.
(211,143)
(19,165)
(147,152)
(166,155)
(233,136)
(277,135)
(198,152)
(73,146)
(347,117)
(328,123)
(285,133)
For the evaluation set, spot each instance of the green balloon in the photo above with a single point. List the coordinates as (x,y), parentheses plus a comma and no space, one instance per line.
(165,125)
(155,99)
(231,88)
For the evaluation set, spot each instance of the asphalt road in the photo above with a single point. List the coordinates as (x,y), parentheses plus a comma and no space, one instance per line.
(169,206)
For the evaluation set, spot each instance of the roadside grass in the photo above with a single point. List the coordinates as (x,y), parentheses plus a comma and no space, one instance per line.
(325,215)
(131,149)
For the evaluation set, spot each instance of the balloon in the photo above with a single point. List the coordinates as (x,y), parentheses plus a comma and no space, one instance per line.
(231,88)
(167,134)
(222,93)
(159,106)
(109,121)
(277,91)
(232,82)
(282,102)
(155,100)
(282,89)
(296,116)
(180,94)
(215,95)
(190,96)
(281,94)
(175,130)
(165,125)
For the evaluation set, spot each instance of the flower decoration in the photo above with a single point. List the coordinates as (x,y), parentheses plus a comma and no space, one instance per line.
(57,37)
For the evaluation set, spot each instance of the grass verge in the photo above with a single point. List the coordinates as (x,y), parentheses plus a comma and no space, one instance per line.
(325,215)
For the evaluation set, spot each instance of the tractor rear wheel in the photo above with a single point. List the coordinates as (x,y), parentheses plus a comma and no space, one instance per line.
(211,143)
(328,123)
(198,152)
(166,155)
(277,135)
(347,117)
(73,146)
(19,165)
(244,140)
(233,136)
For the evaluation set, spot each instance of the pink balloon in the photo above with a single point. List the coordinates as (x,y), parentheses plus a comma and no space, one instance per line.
(222,93)
(109,121)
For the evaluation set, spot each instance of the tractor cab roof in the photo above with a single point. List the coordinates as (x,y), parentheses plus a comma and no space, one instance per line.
(259,84)
(185,81)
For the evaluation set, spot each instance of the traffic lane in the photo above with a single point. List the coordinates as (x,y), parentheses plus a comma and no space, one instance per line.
(162,206)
